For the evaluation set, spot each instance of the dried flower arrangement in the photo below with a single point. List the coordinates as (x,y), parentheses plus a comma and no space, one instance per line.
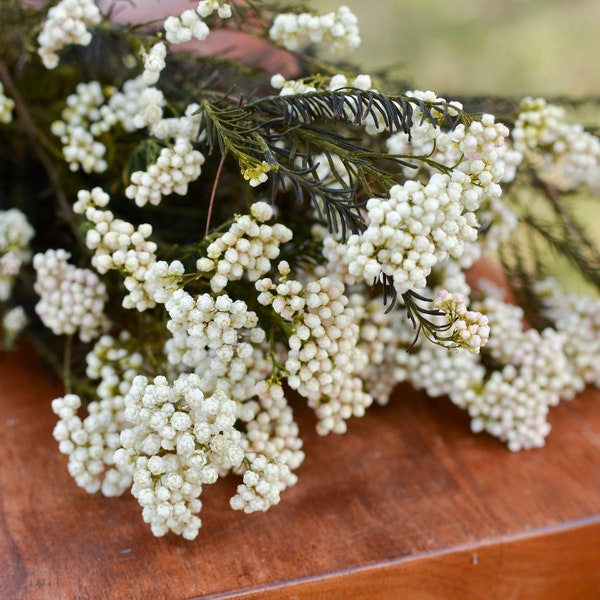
(187,236)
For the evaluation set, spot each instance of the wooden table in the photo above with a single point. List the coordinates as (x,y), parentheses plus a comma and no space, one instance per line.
(410,505)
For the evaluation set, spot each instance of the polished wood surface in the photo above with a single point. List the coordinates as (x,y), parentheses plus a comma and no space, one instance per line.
(409,504)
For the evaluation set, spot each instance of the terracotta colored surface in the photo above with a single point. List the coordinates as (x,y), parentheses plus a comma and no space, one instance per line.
(410,504)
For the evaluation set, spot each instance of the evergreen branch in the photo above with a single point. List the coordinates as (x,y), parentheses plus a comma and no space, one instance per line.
(336,198)
(252,133)
(230,128)
(362,170)
(572,230)
(336,206)
(389,293)
(362,165)
(236,132)
(522,279)
(354,106)
(419,316)
(587,266)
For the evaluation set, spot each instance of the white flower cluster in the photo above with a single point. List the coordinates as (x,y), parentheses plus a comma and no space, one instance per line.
(71,299)
(73,439)
(152,100)
(206,8)
(322,360)
(539,124)
(477,150)
(135,106)
(185,127)
(117,244)
(6,106)
(578,318)
(382,333)
(15,235)
(271,429)
(67,23)
(178,440)
(115,363)
(339,29)
(154,63)
(564,146)
(189,24)
(422,224)
(246,248)
(387,335)
(172,172)
(219,339)
(536,370)
(513,402)
(90,443)
(478,146)
(287,87)
(483,153)
(262,483)
(440,373)
(88,115)
(385,338)
(162,280)
(83,110)
(418,226)
(470,328)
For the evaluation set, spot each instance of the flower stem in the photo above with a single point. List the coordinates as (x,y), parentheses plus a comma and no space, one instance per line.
(38,140)
(214,190)
(67,363)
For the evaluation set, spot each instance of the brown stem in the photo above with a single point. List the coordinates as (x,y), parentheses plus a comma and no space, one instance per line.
(38,142)
(214,191)
(67,364)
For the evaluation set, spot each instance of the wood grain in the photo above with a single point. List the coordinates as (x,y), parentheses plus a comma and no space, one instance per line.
(409,504)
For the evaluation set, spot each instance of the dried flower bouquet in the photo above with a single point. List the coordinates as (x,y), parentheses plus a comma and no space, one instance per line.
(187,236)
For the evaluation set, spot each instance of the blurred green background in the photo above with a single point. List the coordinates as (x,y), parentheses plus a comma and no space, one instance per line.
(501,47)
(506,48)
